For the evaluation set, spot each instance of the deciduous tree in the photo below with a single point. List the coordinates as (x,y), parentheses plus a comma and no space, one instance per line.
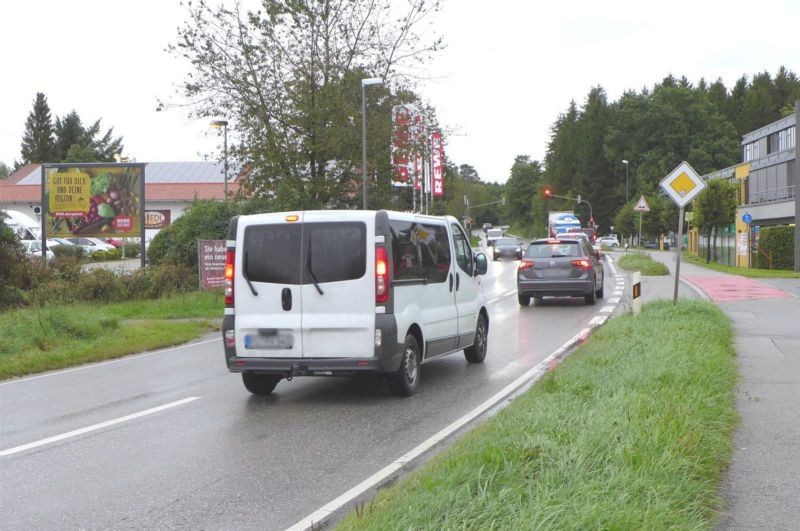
(288,78)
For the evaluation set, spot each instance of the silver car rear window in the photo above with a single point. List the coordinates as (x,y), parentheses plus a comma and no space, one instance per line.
(553,250)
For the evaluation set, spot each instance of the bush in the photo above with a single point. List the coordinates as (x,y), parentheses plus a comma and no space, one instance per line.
(132,250)
(12,256)
(68,250)
(103,256)
(776,247)
(100,285)
(202,220)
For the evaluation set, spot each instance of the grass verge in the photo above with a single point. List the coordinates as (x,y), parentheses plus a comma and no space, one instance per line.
(743,271)
(55,337)
(642,262)
(633,431)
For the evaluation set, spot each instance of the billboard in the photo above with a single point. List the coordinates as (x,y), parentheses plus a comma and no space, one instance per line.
(93,200)
(211,263)
(437,164)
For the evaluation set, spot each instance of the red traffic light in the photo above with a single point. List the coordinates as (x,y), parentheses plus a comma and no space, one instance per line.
(548,193)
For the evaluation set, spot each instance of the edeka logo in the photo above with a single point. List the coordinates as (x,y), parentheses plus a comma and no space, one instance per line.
(156,219)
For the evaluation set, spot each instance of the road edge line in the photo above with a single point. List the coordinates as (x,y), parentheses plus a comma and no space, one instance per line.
(528,378)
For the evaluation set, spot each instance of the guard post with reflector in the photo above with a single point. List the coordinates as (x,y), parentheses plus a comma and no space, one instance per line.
(636,292)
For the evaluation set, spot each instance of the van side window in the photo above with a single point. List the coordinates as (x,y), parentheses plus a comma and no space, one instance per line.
(420,251)
(463,249)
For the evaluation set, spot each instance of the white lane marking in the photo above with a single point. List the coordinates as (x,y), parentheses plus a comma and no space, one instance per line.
(109,362)
(501,297)
(531,375)
(613,300)
(598,320)
(607,309)
(95,427)
(611,266)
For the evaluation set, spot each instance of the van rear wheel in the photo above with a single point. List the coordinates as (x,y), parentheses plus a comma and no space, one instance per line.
(477,352)
(403,382)
(260,384)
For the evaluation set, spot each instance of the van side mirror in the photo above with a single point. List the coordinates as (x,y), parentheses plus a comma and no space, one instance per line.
(481,264)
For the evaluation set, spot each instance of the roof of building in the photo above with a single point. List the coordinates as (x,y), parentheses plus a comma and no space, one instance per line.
(164,181)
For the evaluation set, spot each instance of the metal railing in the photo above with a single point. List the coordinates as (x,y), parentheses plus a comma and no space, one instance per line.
(770,196)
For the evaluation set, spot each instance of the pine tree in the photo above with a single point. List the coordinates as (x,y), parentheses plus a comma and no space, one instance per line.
(37,141)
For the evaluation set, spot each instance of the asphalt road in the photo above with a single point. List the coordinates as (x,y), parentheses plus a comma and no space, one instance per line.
(170,439)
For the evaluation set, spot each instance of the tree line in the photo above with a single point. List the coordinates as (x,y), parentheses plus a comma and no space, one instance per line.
(65,139)
(653,130)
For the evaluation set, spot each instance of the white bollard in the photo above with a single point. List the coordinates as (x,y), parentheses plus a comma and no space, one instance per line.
(636,292)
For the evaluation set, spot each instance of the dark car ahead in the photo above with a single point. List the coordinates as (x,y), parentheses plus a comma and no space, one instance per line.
(510,247)
(560,268)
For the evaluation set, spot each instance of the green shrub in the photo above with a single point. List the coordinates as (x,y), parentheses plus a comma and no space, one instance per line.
(132,250)
(12,255)
(68,251)
(103,256)
(100,285)
(202,220)
(776,247)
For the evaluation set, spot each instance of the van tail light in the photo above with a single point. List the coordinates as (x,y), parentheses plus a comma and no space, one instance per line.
(525,264)
(584,265)
(381,274)
(230,260)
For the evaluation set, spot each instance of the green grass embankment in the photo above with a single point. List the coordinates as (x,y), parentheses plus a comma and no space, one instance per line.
(39,339)
(633,261)
(633,431)
(743,271)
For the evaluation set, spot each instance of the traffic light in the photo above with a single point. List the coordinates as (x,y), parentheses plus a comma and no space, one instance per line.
(548,194)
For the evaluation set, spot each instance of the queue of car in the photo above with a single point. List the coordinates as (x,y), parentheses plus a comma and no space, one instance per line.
(568,265)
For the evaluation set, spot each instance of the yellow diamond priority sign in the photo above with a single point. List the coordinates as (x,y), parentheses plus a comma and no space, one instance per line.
(683,184)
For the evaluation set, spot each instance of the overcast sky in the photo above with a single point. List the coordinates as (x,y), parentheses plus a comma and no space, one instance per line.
(510,66)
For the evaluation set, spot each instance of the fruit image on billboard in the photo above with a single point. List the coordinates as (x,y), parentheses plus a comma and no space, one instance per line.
(93,200)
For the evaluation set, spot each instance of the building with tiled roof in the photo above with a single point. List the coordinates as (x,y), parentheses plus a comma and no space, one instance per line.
(169,187)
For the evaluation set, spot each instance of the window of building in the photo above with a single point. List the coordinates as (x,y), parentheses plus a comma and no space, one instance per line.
(786,138)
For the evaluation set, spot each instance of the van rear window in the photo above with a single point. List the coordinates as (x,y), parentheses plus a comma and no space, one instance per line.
(282,254)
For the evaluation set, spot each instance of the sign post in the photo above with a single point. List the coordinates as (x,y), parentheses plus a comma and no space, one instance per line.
(682,185)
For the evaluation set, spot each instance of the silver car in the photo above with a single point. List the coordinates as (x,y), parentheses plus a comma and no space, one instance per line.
(561,268)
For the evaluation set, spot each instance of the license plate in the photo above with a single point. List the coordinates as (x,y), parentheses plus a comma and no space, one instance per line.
(269,339)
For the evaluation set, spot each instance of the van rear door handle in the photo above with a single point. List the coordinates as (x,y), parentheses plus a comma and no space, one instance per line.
(451,281)
(286,299)
(458,281)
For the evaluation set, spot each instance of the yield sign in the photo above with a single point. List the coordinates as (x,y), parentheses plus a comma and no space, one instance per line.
(683,184)
(641,205)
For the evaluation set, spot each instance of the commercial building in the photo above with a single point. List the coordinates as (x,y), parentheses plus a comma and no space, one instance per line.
(767,180)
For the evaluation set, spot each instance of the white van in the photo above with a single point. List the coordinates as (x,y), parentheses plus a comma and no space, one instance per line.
(492,235)
(335,293)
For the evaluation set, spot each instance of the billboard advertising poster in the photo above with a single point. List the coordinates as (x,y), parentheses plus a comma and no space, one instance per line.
(211,263)
(93,200)
(437,164)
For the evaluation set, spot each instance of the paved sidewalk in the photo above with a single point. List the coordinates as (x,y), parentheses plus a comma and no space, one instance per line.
(762,488)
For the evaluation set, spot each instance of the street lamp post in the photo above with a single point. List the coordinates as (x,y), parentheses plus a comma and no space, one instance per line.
(224,125)
(625,162)
(364,83)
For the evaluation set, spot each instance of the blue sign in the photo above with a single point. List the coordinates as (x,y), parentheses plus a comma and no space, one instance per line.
(747,218)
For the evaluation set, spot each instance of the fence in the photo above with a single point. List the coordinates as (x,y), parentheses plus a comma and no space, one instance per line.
(725,250)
